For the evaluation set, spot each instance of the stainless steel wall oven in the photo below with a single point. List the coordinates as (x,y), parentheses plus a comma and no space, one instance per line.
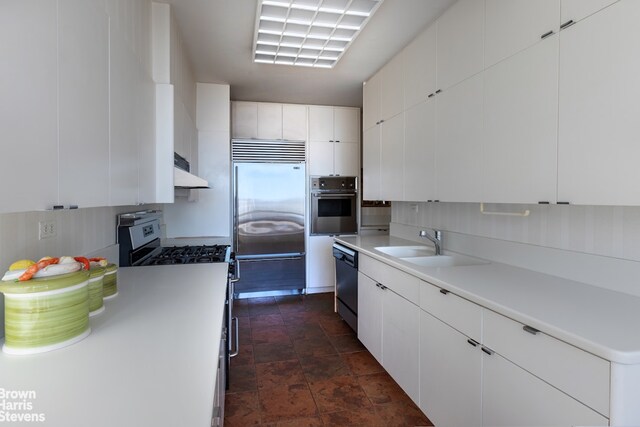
(334,205)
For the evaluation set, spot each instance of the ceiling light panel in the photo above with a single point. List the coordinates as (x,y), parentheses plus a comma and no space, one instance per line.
(309,33)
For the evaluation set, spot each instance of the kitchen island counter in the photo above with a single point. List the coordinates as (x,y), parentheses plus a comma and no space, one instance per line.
(150,360)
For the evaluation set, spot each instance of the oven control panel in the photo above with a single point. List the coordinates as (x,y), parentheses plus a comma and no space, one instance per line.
(334,184)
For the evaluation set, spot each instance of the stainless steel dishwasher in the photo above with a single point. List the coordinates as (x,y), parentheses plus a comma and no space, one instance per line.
(347,284)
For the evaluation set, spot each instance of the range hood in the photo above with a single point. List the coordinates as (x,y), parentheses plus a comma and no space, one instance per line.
(184,179)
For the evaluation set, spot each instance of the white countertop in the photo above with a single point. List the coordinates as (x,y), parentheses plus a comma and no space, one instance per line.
(150,360)
(598,320)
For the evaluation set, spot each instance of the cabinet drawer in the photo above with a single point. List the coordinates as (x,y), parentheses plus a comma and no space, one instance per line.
(398,281)
(457,312)
(576,372)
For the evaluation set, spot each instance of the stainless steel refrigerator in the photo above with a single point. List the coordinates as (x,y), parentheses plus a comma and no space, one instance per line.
(269,222)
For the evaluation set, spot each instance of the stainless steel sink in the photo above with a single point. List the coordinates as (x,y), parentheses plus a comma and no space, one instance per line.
(444,261)
(406,251)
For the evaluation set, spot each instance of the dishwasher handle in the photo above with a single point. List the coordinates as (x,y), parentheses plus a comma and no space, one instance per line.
(347,256)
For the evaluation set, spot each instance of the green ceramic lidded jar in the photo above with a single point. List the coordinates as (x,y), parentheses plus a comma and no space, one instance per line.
(96,290)
(45,314)
(111,281)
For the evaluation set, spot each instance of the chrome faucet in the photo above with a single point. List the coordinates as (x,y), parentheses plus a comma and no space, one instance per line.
(436,239)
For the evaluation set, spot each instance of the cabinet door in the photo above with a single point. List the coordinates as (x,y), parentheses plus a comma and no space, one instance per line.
(321,158)
(598,148)
(419,152)
(392,158)
(371,164)
(514,25)
(346,158)
(512,397)
(521,126)
(371,102)
(320,123)
(320,264)
(294,122)
(370,315)
(147,146)
(391,88)
(459,142)
(450,375)
(460,42)
(419,59)
(346,124)
(244,119)
(28,105)
(401,342)
(269,121)
(576,10)
(123,144)
(84,103)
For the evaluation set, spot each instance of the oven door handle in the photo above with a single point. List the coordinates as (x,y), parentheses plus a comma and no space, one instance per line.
(237,339)
(236,272)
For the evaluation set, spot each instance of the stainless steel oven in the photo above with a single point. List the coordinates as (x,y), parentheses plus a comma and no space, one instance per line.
(334,205)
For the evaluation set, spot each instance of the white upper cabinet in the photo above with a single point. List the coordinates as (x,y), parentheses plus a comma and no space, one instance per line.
(321,123)
(598,148)
(459,142)
(84,103)
(371,102)
(334,141)
(419,63)
(28,103)
(419,152)
(520,123)
(294,122)
(391,88)
(263,120)
(392,158)
(346,124)
(460,52)
(269,121)
(514,25)
(576,10)
(371,164)
(123,146)
(244,119)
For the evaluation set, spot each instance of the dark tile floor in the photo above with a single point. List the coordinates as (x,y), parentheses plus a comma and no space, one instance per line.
(301,365)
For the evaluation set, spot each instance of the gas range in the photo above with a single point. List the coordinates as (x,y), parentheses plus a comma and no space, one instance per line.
(190,255)
(139,240)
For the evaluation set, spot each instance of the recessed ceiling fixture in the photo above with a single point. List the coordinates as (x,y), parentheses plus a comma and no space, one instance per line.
(308,33)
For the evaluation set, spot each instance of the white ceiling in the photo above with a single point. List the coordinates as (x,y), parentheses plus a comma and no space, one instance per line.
(219,38)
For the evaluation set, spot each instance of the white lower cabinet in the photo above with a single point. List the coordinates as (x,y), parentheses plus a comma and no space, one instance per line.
(450,375)
(389,324)
(512,397)
(370,315)
(320,265)
(400,341)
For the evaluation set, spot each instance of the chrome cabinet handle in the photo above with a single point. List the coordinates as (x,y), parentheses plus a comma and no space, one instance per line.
(237,273)
(444,291)
(487,351)
(567,24)
(529,329)
(472,342)
(547,34)
(237,335)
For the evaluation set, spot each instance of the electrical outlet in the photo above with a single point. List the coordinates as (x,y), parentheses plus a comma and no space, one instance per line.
(47,229)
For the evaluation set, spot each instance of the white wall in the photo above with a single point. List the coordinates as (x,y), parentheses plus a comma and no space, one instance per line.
(599,230)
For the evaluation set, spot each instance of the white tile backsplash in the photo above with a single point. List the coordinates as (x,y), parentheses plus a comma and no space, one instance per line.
(611,231)
(80,232)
